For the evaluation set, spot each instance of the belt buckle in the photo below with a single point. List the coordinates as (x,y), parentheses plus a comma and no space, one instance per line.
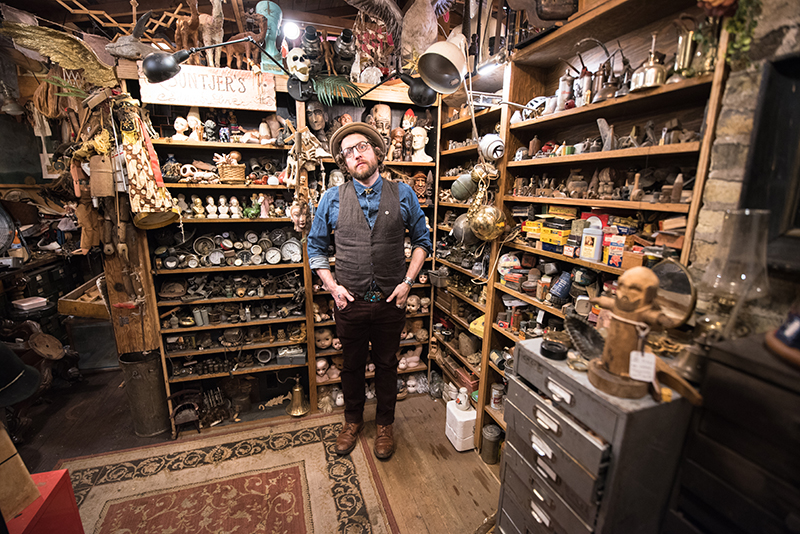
(373,296)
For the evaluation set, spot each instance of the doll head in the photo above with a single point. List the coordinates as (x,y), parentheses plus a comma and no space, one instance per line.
(412,304)
(323,337)
(336,344)
(322,366)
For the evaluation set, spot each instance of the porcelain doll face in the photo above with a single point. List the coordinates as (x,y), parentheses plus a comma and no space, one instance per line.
(413,304)
(423,278)
(336,344)
(345,119)
(337,177)
(322,366)
(180,125)
(323,338)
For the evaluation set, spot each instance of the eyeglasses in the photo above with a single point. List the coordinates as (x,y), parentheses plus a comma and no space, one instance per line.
(360,147)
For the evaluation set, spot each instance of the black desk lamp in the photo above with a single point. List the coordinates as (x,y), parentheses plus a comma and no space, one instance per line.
(160,66)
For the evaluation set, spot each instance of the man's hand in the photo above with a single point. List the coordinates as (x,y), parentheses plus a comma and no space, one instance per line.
(341,296)
(400,294)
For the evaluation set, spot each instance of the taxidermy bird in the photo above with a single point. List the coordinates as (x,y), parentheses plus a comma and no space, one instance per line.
(416,30)
(62,48)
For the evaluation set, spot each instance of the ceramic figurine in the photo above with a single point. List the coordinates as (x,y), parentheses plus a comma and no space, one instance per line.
(264,201)
(337,178)
(274,16)
(235,208)
(409,120)
(211,208)
(180,125)
(462,401)
(222,209)
(196,125)
(199,212)
(210,130)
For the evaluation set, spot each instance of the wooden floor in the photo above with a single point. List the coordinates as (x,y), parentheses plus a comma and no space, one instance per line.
(431,487)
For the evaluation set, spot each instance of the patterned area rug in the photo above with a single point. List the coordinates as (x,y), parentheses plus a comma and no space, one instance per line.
(277,479)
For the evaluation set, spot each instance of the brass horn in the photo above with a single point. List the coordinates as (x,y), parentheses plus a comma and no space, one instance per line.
(298,406)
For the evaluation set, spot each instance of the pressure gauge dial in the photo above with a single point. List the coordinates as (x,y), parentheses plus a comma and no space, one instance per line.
(273,255)
(278,236)
(255,250)
(292,251)
(251,237)
(216,257)
(171,262)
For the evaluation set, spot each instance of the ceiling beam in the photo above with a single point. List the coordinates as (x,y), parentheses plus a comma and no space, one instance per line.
(310,18)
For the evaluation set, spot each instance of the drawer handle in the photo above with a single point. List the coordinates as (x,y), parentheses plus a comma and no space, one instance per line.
(547,422)
(559,392)
(545,472)
(540,446)
(539,515)
(550,503)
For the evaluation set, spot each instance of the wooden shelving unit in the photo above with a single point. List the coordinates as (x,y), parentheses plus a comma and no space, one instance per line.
(624,153)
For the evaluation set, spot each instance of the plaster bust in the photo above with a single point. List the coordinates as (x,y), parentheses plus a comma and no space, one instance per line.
(419,138)
(383,120)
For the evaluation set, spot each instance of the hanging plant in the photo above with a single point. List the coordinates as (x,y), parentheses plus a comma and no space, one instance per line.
(329,89)
(741,27)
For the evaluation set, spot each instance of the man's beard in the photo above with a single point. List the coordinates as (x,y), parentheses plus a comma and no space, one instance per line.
(366,173)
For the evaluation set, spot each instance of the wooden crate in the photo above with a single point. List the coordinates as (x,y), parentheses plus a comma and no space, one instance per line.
(70,304)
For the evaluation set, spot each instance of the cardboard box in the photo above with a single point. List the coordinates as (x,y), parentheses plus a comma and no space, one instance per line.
(553,236)
(571,251)
(616,248)
(17,489)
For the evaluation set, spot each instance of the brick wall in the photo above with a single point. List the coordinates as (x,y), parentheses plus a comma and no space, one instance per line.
(777,34)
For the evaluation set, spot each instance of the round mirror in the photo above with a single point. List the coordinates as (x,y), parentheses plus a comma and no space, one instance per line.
(677,294)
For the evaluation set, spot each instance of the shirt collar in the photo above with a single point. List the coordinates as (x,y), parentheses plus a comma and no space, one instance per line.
(376,187)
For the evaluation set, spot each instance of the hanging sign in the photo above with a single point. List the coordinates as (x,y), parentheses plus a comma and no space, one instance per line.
(209,87)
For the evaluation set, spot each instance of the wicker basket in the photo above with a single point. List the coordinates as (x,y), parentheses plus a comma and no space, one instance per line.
(231,173)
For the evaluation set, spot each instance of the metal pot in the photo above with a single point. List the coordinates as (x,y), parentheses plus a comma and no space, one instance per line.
(651,74)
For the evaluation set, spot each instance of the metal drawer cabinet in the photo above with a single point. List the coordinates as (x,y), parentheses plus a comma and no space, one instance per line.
(611,461)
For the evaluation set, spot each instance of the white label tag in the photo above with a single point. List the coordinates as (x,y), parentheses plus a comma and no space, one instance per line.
(642,366)
(540,317)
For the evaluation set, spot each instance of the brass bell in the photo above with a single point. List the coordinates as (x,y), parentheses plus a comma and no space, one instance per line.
(298,406)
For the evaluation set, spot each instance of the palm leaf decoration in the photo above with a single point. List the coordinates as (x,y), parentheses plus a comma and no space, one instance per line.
(71,90)
(329,89)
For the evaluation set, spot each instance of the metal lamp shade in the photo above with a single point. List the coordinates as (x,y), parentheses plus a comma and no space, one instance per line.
(159,66)
(443,67)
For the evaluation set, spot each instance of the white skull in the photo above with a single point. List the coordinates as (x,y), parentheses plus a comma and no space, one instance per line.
(298,63)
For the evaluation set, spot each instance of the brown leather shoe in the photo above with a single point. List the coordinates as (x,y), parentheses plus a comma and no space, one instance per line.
(348,438)
(384,442)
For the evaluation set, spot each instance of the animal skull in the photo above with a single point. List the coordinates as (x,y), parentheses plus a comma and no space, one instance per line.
(298,64)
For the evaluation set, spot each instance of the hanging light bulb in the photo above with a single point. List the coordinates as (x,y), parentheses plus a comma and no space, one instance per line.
(291,30)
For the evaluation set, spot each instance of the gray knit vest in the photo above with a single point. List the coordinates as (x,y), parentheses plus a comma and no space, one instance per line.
(364,255)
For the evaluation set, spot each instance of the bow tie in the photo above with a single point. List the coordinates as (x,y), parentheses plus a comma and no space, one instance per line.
(368,191)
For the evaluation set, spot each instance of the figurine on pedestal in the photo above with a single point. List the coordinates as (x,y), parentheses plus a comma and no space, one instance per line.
(419,138)
(211,208)
(235,208)
(210,130)
(222,209)
(266,202)
(633,313)
(180,125)
(408,141)
(197,207)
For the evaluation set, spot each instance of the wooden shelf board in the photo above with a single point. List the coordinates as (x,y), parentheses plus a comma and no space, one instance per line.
(242,371)
(167,331)
(419,368)
(325,323)
(497,415)
(229,269)
(451,348)
(594,203)
(458,268)
(607,21)
(529,300)
(497,369)
(444,228)
(448,179)
(237,348)
(227,221)
(453,205)
(633,103)
(187,185)
(460,150)
(410,163)
(650,151)
(507,332)
(597,266)
(466,299)
(481,116)
(454,317)
(222,300)
(328,352)
(168,141)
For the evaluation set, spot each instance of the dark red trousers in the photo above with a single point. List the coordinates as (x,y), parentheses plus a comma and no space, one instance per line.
(358,324)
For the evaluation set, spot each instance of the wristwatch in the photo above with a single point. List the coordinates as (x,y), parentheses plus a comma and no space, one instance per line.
(409,281)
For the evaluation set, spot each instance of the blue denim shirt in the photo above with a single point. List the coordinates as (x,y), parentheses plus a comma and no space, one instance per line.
(327,215)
